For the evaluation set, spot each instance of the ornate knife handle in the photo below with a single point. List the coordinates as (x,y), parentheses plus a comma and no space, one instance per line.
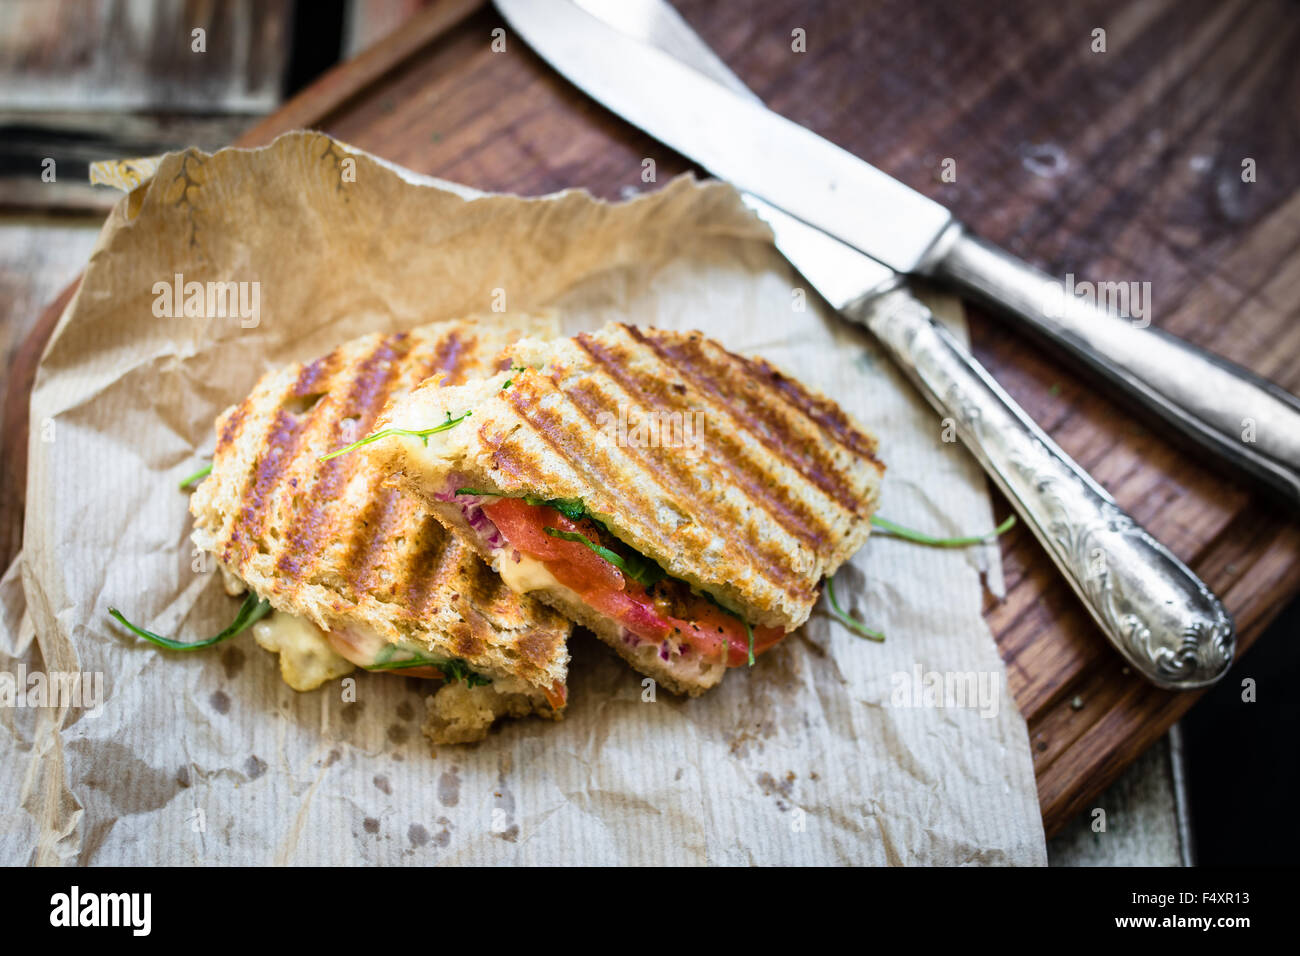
(1248,421)
(1156,612)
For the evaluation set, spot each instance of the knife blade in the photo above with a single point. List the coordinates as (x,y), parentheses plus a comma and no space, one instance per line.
(1249,422)
(754,149)
(1151,607)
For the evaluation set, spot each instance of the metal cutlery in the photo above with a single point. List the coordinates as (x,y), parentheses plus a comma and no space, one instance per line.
(1251,423)
(1152,608)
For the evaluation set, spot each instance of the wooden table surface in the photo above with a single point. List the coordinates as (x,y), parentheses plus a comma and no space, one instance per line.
(1123,165)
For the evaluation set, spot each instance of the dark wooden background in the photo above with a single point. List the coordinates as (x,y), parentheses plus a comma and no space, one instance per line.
(1122,165)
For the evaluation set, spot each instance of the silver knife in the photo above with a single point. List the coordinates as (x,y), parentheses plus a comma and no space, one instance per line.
(1154,610)
(1250,422)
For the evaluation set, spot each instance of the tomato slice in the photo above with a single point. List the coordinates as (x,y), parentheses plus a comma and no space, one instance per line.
(425,673)
(599,583)
(556,695)
(704,626)
(710,629)
(634,610)
(574,564)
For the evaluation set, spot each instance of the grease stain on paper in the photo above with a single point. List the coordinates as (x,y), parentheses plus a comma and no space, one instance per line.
(782,790)
(449,788)
(353,711)
(397,734)
(443,837)
(232,662)
(503,811)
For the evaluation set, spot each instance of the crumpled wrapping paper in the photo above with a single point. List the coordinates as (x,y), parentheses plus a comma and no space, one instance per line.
(826,752)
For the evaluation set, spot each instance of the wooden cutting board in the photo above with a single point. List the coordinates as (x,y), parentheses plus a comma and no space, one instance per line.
(1121,165)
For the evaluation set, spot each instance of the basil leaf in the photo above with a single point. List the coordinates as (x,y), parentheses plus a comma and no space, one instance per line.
(196,477)
(898,531)
(385,656)
(608,555)
(253,609)
(420,433)
(852,623)
(572,508)
(640,569)
(456,669)
(453,669)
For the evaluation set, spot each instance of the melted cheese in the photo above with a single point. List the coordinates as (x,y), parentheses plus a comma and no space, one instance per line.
(306,658)
(526,574)
(234,587)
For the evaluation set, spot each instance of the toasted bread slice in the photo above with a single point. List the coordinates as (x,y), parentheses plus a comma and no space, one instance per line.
(728,474)
(333,543)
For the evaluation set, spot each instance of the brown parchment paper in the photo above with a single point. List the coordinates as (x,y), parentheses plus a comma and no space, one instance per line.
(826,752)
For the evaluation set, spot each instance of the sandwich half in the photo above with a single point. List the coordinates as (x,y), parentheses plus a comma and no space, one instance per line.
(682,502)
(360,574)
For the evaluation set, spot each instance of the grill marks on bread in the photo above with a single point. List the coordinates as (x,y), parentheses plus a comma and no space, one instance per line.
(796,429)
(685,387)
(314,517)
(333,541)
(777,492)
(771,458)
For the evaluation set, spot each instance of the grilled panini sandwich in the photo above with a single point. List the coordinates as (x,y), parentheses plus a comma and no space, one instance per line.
(359,574)
(682,502)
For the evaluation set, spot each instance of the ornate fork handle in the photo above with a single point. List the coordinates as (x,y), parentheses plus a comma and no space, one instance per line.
(1156,612)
